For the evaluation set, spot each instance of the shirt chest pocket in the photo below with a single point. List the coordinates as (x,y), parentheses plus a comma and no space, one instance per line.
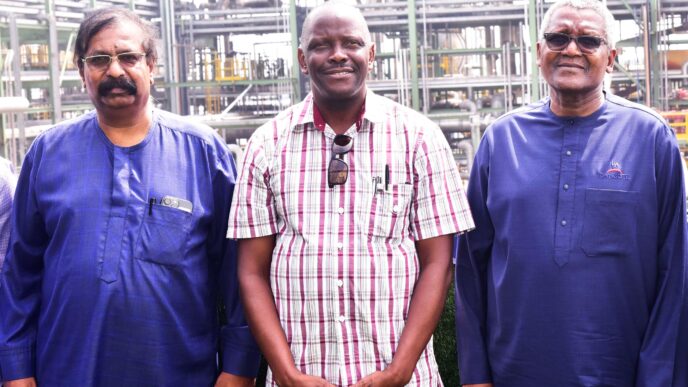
(164,235)
(609,222)
(389,212)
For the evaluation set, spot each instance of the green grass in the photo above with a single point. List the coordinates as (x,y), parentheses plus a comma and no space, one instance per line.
(445,343)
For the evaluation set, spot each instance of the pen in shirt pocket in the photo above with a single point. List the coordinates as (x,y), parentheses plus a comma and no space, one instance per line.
(151,201)
(386,177)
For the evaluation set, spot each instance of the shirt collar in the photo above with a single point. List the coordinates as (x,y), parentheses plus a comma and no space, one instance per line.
(310,114)
(319,121)
(576,119)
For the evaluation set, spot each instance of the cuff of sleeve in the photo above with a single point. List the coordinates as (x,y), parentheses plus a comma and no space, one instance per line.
(241,355)
(474,365)
(16,363)
(474,370)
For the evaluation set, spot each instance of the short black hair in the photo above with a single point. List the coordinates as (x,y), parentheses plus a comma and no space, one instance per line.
(102,18)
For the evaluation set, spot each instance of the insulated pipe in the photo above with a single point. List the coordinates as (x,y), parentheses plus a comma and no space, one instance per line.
(16,78)
(470,105)
(468,151)
(54,63)
(646,45)
(13,104)
(452,125)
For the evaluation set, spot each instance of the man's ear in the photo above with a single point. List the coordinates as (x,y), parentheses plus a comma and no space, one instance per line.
(371,56)
(538,47)
(302,61)
(610,60)
(151,68)
(81,72)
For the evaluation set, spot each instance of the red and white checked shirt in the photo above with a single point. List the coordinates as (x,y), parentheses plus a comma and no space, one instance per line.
(345,264)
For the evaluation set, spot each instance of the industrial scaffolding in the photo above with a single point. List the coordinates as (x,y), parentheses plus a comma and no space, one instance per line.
(232,63)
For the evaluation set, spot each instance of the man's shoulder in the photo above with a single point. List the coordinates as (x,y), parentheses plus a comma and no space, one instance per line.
(73,127)
(186,125)
(513,119)
(406,120)
(619,105)
(524,112)
(281,124)
(385,108)
(75,123)
(8,175)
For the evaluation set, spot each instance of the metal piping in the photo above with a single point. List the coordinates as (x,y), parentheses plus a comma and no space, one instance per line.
(646,44)
(54,60)
(469,105)
(468,151)
(66,57)
(16,77)
(424,62)
(171,66)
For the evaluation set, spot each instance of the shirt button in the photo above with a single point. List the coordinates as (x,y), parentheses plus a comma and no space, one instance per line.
(340,210)
(340,245)
(342,318)
(395,209)
(340,283)
(563,223)
(570,122)
(568,153)
(566,186)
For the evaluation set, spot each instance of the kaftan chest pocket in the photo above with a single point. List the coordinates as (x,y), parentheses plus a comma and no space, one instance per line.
(610,223)
(164,235)
(389,211)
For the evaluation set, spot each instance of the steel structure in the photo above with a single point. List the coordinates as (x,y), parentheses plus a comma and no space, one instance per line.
(459,61)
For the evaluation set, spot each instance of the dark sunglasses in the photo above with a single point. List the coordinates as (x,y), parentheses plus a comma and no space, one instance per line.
(588,44)
(338,170)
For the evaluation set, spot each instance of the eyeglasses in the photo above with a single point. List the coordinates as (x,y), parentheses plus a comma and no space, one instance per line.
(338,170)
(126,59)
(588,44)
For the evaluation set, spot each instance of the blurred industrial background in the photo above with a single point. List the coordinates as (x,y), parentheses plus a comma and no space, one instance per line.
(230,63)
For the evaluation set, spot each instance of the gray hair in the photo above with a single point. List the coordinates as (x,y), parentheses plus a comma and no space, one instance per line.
(595,5)
(339,5)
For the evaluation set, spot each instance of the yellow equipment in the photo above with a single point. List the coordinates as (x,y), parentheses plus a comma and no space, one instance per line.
(678,120)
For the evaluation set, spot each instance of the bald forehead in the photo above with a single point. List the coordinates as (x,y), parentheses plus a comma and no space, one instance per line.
(334,10)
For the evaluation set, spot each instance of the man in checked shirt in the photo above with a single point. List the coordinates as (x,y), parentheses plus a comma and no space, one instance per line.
(345,208)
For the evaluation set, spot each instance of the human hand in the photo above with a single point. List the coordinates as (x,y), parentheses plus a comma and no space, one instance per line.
(385,378)
(228,380)
(27,382)
(302,380)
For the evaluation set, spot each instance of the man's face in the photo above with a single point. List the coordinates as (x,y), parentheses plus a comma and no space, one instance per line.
(120,87)
(572,71)
(337,56)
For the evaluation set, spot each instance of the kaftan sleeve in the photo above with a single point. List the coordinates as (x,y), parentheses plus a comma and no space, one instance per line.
(657,363)
(470,277)
(240,352)
(21,277)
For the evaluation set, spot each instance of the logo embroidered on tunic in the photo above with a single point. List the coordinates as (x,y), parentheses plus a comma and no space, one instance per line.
(614,172)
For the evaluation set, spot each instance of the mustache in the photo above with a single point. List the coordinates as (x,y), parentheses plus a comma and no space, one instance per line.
(126,84)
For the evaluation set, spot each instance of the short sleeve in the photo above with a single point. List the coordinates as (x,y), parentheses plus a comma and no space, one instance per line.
(253,210)
(440,206)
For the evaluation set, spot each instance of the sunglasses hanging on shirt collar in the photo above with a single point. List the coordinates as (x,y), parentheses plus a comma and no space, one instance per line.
(338,170)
